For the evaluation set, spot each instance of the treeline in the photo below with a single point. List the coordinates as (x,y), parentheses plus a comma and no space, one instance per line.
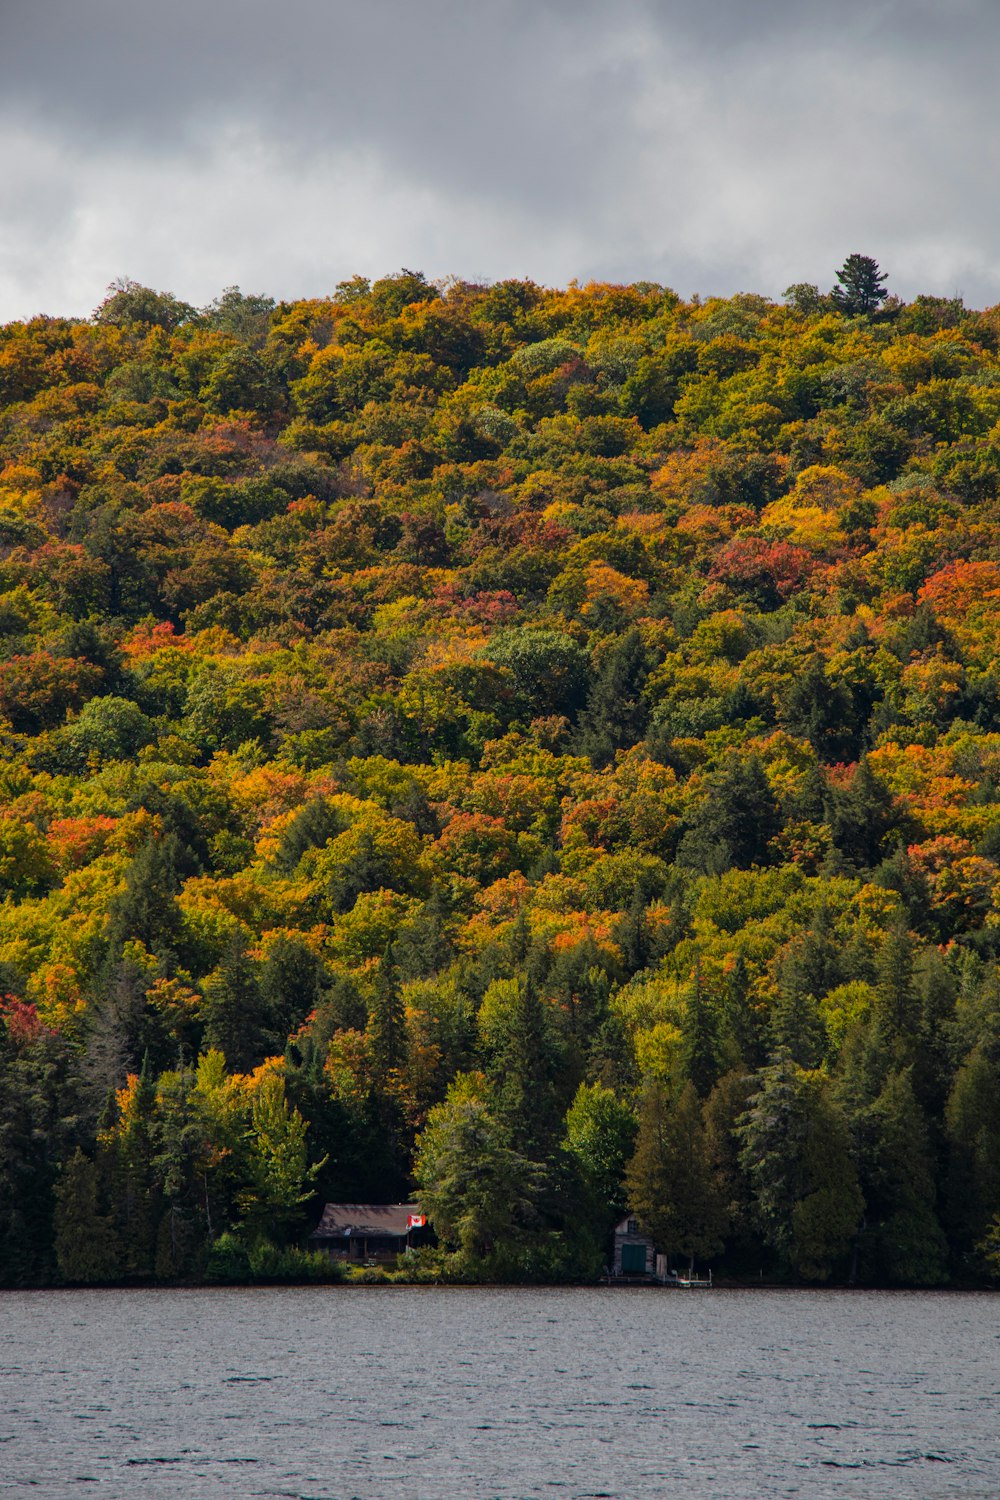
(535,750)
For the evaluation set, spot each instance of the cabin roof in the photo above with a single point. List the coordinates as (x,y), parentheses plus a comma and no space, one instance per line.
(346,1220)
(621,1228)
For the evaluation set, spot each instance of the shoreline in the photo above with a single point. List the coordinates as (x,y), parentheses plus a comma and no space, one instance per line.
(978,1289)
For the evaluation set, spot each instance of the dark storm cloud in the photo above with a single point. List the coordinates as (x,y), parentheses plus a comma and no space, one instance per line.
(715,146)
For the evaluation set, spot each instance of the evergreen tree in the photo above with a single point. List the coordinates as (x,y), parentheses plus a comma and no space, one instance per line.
(387,1025)
(673,1187)
(741,1029)
(906,1243)
(479,1191)
(313,825)
(863,816)
(861,285)
(797,1152)
(177,1144)
(809,968)
(616,714)
(134,1182)
(700,1038)
(524,1076)
(291,986)
(147,908)
(737,821)
(932,1067)
(423,947)
(796,1027)
(280,1178)
(633,935)
(39,1128)
(233,1009)
(823,712)
(897,1014)
(85,1241)
(973,1132)
(723,1111)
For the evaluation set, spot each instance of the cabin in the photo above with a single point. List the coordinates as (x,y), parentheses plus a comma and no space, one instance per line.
(634,1252)
(370,1232)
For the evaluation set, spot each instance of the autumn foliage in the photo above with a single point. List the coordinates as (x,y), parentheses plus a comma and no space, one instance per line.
(542,738)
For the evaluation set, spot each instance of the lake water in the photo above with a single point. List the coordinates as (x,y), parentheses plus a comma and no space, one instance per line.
(467,1394)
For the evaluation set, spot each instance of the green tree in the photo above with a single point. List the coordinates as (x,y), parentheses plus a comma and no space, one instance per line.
(134,1183)
(387,1025)
(897,1015)
(128,302)
(233,1009)
(85,1240)
(972,1121)
(479,1192)
(673,1186)
(861,285)
(616,714)
(741,1030)
(796,1150)
(291,980)
(699,1030)
(241,381)
(39,1129)
(105,729)
(735,823)
(547,671)
(863,815)
(147,909)
(600,1133)
(524,1073)
(279,1171)
(907,1244)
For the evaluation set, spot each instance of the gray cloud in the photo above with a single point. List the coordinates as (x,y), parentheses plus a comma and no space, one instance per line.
(715,146)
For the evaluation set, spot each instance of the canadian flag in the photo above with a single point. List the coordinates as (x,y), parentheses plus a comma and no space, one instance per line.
(416,1221)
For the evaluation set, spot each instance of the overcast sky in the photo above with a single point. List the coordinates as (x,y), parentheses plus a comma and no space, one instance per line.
(713,145)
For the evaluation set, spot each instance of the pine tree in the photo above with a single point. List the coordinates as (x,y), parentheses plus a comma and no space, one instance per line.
(524,1075)
(861,286)
(741,1032)
(85,1240)
(737,821)
(291,985)
(796,1150)
(673,1187)
(897,1014)
(233,1009)
(700,1038)
(146,908)
(616,714)
(133,1180)
(862,817)
(908,1244)
(423,947)
(973,1129)
(387,1024)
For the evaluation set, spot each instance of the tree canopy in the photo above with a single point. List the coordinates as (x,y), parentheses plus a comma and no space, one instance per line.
(538,749)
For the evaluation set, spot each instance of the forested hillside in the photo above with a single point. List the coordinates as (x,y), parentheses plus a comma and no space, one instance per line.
(534,750)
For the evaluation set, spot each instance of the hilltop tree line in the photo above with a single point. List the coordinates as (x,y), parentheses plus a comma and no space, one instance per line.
(535,750)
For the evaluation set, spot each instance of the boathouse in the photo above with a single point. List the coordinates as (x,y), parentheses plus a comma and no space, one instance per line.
(370,1231)
(634,1252)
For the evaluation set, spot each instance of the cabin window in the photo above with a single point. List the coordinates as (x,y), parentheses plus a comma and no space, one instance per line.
(632,1227)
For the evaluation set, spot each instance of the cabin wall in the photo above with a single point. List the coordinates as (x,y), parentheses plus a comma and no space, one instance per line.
(642,1240)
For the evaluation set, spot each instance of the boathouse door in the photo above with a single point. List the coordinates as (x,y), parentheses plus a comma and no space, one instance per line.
(633,1260)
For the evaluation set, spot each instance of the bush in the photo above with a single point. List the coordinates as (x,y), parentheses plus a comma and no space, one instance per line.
(231,1261)
(228,1260)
